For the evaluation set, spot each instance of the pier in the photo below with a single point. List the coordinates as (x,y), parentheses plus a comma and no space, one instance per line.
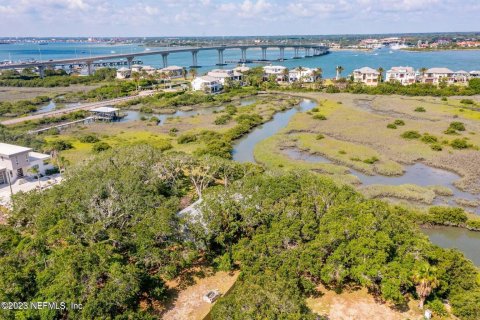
(113,59)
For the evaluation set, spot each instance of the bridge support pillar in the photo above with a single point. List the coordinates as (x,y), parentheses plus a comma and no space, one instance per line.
(89,68)
(307,53)
(194,59)
(41,71)
(296,54)
(282,53)
(165,59)
(264,53)
(129,62)
(244,55)
(221,62)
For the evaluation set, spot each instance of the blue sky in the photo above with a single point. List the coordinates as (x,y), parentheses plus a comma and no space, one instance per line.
(228,17)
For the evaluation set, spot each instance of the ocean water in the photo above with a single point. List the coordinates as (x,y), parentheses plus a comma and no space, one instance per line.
(456,60)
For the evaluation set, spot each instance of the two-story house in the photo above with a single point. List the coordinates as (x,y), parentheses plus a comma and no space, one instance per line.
(403,75)
(16,162)
(367,76)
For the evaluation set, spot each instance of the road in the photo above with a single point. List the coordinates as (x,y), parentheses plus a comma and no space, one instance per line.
(85,106)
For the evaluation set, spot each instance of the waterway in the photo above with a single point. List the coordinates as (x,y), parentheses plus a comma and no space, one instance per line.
(51,106)
(350,60)
(464,240)
(420,174)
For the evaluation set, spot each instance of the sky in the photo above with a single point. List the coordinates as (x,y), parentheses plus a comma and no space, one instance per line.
(122,18)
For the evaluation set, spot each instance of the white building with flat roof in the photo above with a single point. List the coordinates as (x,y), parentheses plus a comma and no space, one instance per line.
(403,75)
(366,75)
(16,162)
(461,77)
(303,74)
(277,71)
(206,84)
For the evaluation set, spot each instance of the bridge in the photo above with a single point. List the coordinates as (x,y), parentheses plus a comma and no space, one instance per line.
(310,50)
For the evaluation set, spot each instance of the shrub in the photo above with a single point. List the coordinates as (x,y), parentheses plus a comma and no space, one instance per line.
(437,307)
(399,122)
(444,99)
(315,109)
(467,101)
(54,170)
(60,145)
(223,119)
(231,109)
(448,215)
(420,109)
(186,138)
(391,126)
(473,224)
(100,146)
(459,144)
(89,138)
(436,147)
(371,160)
(428,138)
(320,136)
(319,117)
(411,135)
(451,131)
(342,152)
(459,126)
(145,109)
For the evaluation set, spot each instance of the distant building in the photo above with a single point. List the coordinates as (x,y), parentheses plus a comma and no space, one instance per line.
(16,162)
(277,71)
(106,113)
(206,84)
(461,77)
(137,68)
(225,75)
(304,74)
(173,71)
(149,69)
(366,75)
(241,69)
(403,75)
(435,75)
(475,74)
(123,73)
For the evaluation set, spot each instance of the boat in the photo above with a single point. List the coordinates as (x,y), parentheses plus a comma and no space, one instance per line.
(398,46)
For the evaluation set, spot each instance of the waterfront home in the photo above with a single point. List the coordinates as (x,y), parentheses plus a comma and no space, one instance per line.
(435,75)
(136,68)
(206,84)
(17,162)
(276,71)
(149,69)
(224,76)
(403,75)
(461,77)
(241,69)
(173,72)
(475,74)
(123,73)
(366,75)
(303,74)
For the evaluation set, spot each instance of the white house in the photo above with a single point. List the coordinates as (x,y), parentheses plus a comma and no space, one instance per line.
(277,71)
(206,84)
(304,74)
(241,69)
(136,68)
(475,74)
(173,71)
(366,75)
(225,75)
(461,77)
(123,73)
(17,162)
(149,69)
(403,75)
(435,75)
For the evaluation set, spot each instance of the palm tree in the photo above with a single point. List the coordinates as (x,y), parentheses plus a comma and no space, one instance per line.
(193,73)
(423,70)
(339,70)
(317,74)
(136,77)
(285,74)
(380,76)
(34,170)
(425,281)
(184,73)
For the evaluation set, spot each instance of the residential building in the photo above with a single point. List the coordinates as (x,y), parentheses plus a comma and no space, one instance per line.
(366,75)
(403,75)
(241,69)
(475,74)
(173,71)
(435,75)
(123,73)
(461,77)
(136,68)
(149,69)
(225,75)
(276,71)
(16,162)
(206,84)
(304,74)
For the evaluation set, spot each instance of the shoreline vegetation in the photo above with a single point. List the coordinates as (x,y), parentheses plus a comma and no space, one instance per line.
(121,240)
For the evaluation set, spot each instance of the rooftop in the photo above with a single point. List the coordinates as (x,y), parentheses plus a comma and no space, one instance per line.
(104,109)
(172,68)
(439,70)
(10,149)
(366,70)
(34,156)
